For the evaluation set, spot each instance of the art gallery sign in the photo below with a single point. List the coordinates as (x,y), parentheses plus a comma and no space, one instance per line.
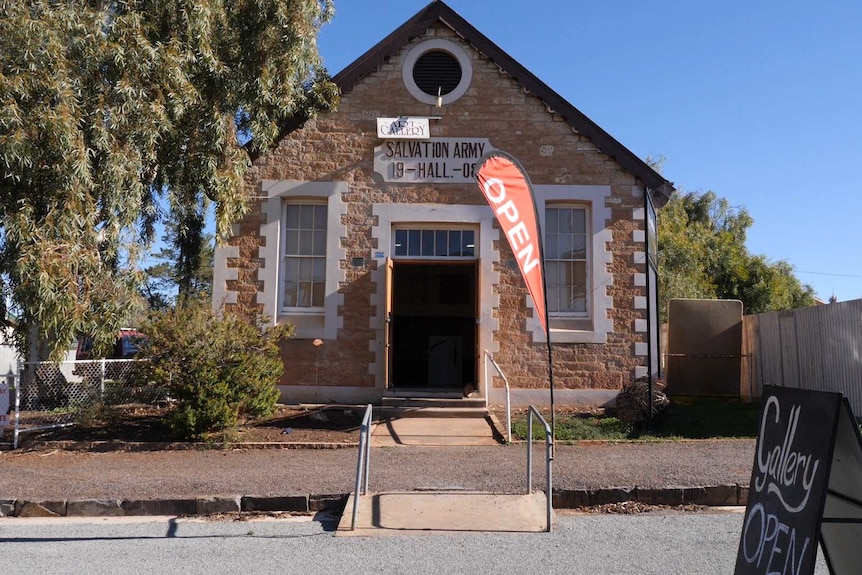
(403,127)
(437,160)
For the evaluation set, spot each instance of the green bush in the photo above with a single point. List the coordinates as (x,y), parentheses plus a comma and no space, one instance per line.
(218,369)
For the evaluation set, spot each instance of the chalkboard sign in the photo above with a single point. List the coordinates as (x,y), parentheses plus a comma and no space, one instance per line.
(797,469)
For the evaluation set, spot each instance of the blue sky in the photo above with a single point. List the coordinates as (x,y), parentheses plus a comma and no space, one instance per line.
(760,102)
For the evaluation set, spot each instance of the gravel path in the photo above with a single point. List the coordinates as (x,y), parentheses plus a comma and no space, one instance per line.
(50,475)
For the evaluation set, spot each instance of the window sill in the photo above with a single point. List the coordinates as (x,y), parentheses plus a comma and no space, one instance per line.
(577,336)
(571,330)
(307,324)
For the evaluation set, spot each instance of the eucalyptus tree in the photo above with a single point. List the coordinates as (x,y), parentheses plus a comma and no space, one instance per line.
(106,107)
(702,254)
(178,277)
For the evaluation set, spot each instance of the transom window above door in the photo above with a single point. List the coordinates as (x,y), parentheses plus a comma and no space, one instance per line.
(434,243)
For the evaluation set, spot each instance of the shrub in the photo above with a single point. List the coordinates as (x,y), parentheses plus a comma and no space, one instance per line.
(218,369)
(633,401)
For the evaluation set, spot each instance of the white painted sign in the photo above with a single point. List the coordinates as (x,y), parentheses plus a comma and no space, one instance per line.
(437,160)
(404,127)
(4,404)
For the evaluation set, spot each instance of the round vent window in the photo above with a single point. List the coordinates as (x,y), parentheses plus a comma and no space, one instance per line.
(437,73)
(437,68)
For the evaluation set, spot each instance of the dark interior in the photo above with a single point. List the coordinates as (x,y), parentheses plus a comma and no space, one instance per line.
(433,325)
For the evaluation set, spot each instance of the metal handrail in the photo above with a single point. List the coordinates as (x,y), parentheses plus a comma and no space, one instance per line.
(362,464)
(549,443)
(508,396)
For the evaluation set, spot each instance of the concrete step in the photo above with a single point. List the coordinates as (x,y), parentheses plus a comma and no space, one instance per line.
(405,411)
(445,512)
(458,402)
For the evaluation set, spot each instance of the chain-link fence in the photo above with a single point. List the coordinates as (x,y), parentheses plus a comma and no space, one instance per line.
(48,395)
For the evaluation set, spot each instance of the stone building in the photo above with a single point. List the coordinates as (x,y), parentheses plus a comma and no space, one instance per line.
(368,232)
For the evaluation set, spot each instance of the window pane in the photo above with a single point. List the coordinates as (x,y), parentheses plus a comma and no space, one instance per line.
(306,217)
(551,217)
(552,251)
(580,247)
(441,247)
(565,246)
(291,242)
(306,239)
(427,243)
(579,220)
(552,273)
(566,221)
(291,269)
(413,243)
(304,294)
(468,245)
(319,243)
(553,299)
(318,293)
(319,217)
(579,270)
(400,242)
(305,269)
(293,216)
(290,291)
(565,300)
(579,299)
(318,273)
(454,242)
(567,273)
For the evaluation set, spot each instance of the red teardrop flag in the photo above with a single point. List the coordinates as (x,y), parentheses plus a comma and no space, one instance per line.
(506,187)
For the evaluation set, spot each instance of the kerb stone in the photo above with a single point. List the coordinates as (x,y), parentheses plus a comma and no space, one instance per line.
(40,508)
(660,495)
(287,503)
(160,507)
(95,508)
(218,504)
(7,507)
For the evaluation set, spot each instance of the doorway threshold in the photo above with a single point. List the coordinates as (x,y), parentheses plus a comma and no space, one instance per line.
(440,402)
(424,392)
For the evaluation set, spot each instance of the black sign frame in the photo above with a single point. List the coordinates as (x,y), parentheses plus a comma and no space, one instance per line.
(841,527)
(789,478)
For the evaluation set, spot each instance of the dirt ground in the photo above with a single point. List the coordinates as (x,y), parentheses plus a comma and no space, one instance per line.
(297,424)
(140,423)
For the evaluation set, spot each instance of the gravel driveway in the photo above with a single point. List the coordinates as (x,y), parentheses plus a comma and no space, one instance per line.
(271,472)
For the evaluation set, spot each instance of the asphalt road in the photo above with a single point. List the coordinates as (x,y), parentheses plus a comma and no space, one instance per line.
(704,543)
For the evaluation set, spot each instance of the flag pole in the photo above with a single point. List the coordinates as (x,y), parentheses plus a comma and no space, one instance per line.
(548,336)
(551,381)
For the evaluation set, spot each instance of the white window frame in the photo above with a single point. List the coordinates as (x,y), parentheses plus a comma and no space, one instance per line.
(282,280)
(586,259)
(595,327)
(310,323)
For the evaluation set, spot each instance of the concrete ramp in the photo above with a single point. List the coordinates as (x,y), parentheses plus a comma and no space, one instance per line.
(433,431)
(402,513)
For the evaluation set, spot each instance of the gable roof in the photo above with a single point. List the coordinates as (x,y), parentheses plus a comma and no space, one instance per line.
(438,11)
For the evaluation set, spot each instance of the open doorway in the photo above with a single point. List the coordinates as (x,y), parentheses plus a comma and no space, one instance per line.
(433,326)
